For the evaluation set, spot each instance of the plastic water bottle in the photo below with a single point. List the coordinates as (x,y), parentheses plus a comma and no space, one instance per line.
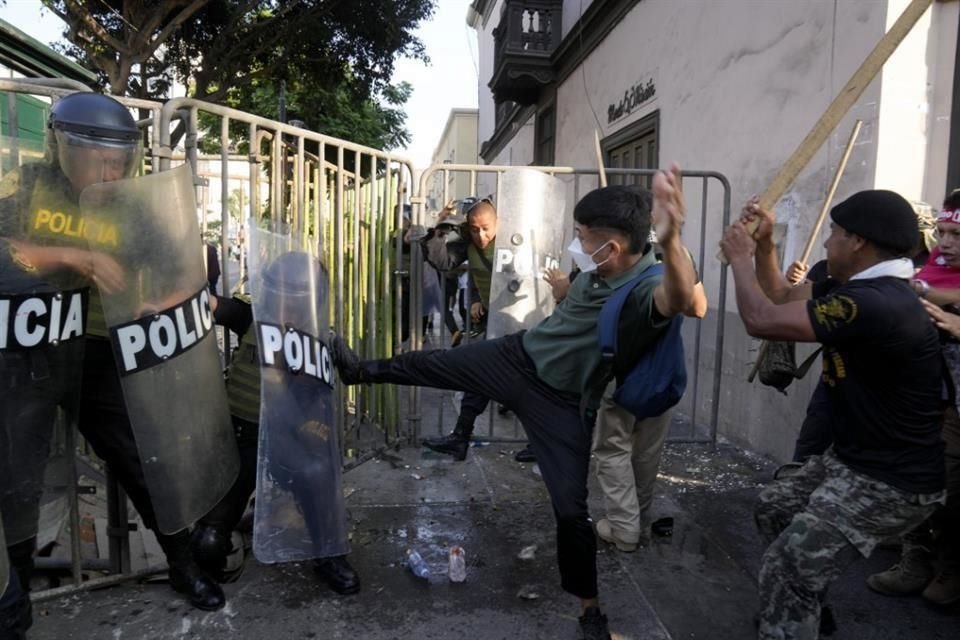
(416,564)
(458,564)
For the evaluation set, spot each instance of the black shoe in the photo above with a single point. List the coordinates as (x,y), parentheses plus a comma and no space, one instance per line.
(593,624)
(210,548)
(202,591)
(525,455)
(503,410)
(338,574)
(220,555)
(455,444)
(828,624)
(345,360)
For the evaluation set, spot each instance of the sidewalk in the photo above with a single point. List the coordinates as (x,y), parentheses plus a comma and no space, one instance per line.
(699,583)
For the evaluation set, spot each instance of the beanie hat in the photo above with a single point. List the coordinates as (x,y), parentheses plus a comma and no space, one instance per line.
(882,217)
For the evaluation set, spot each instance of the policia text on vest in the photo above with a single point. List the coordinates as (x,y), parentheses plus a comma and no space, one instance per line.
(28,321)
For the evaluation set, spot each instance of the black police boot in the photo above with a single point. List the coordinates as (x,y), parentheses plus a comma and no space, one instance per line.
(345,360)
(338,574)
(593,624)
(216,554)
(455,444)
(525,455)
(201,590)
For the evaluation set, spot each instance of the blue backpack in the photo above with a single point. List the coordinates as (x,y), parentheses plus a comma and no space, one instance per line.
(658,379)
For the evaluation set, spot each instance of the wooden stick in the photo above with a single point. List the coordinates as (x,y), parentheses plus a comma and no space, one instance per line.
(815,231)
(602,170)
(828,202)
(841,104)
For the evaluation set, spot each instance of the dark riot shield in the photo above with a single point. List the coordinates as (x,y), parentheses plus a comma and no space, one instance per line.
(299,507)
(4,560)
(161,331)
(42,323)
(531,212)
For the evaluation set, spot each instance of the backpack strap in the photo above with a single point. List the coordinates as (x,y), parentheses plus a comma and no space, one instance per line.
(608,324)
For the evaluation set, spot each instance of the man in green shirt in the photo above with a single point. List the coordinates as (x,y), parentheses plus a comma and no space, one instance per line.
(553,376)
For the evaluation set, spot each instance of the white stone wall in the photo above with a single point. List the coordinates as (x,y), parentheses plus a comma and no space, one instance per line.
(739,83)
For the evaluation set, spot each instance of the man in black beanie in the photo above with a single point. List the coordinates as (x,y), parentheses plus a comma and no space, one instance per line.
(884,473)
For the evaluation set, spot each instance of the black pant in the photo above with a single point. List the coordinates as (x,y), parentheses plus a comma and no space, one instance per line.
(227,513)
(33,385)
(293,467)
(15,610)
(816,434)
(471,406)
(501,370)
(105,425)
(449,301)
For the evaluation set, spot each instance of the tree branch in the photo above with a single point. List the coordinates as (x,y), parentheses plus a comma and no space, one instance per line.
(86,18)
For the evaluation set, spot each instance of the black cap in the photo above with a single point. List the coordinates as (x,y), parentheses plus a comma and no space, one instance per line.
(94,115)
(882,217)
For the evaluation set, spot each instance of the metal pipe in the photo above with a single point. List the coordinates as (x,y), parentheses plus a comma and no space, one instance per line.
(721,318)
(70,445)
(225,214)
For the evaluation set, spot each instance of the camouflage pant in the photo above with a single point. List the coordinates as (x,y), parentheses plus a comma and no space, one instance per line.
(818,521)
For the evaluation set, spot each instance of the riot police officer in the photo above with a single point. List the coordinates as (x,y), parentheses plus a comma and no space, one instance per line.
(300,455)
(93,139)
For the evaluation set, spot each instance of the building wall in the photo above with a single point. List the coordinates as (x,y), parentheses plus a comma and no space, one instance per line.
(457,145)
(739,102)
(487,109)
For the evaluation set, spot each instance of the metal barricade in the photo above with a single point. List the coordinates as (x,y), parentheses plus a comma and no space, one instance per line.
(689,427)
(344,196)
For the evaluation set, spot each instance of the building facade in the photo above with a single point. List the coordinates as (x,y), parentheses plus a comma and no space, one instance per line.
(457,145)
(731,87)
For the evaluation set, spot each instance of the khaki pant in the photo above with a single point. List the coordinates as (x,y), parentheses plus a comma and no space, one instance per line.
(627,455)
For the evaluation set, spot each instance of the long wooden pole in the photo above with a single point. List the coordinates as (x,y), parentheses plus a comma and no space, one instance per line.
(831,192)
(815,231)
(841,104)
(599,152)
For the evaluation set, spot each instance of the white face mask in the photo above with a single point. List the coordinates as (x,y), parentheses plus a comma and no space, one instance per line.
(584,261)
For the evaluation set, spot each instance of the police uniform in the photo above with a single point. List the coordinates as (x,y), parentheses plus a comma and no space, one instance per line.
(44,206)
(445,257)
(38,379)
(294,465)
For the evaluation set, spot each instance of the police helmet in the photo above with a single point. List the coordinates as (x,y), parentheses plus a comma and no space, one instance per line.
(92,138)
(290,285)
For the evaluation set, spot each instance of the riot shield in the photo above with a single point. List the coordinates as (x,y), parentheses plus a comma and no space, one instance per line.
(4,560)
(299,509)
(531,213)
(161,332)
(42,323)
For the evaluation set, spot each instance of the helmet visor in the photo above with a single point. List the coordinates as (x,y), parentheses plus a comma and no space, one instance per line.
(86,160)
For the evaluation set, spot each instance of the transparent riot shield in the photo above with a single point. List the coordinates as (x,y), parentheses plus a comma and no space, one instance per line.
(43,312)
(161,332)
(531,213)
(299,508)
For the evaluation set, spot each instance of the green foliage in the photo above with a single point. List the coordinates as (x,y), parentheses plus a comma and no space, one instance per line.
(335,56)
